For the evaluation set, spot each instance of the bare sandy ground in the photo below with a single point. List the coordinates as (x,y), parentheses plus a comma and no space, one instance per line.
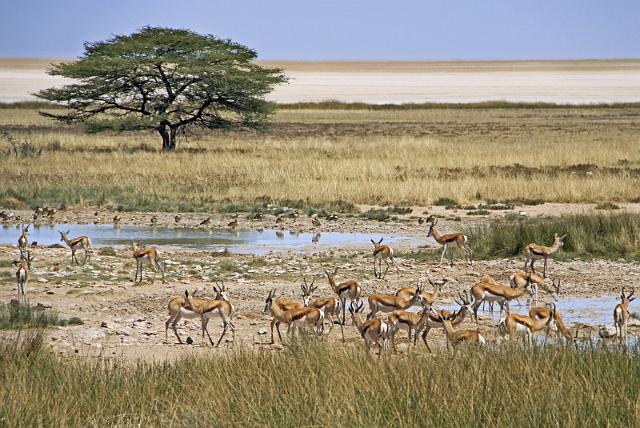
(579,82)
(126,319)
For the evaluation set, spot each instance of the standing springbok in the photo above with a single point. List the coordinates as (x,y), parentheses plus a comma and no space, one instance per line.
(348,289)
(208,309)
(450,240)
(312,317)
(330,304)
(177,311)
(432,321)
(516,323)
(487,290)
(621,314)
(455,338)
(23,275)
(389,303)
(405,320)
(544,312)
(151,256)
(428,298)
(533,252)
(23,240)
(520,278)
(382,253)
(80,242)
(374,331)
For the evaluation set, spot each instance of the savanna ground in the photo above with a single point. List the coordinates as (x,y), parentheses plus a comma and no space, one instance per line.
(320,160)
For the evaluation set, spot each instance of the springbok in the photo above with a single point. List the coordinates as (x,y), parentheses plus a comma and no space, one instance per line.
(456,318)
(330,304)
(455,338)
(207,309)
(450,240)
(520,278)
(312,317)
(374,331)
(151,256)
(516,323)
(389,303)
(428,298)
(348,289)
(23,240)
(533,252)
(23,274)
(382,253)
(544,312)
(621,314)
(80,242)
(487,290)
(177,311)
(405,320)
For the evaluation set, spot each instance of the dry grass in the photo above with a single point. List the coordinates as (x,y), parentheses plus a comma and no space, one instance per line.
(319,156)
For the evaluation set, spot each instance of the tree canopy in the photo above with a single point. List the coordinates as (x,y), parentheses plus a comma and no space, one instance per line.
(167,80)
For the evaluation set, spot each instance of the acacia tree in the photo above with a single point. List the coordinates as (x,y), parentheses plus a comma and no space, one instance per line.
(164,79)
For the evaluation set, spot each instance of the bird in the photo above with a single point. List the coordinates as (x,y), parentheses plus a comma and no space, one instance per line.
(315,222)
(258,216)
(116,219)
(233,223)
(332,217)
(51,212)
(420,220)
(96,213)
(279,219)
(206,222)
(177,218)
(154,220)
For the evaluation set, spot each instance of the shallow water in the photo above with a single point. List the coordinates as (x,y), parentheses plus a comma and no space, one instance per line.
(243,241)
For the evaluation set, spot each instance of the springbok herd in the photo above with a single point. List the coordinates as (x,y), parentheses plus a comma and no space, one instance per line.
(394,309)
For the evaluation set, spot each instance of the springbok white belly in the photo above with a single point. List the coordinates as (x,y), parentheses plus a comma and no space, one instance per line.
(185,313)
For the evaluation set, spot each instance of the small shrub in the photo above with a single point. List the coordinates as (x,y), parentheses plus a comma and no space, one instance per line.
(607,206)
(376,214)
(448,203)
(19,149)
(106,251)
(479,212)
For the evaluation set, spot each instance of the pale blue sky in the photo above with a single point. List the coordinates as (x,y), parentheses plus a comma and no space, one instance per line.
(341,29)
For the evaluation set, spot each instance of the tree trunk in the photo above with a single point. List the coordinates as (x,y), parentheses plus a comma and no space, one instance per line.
(172,139)
(168,138)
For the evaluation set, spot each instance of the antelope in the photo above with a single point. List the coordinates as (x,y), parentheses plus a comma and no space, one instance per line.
(516,323)
(177,311)
(453,240)
(372,331)
(23,274)
(348,289)
(23,240)
(533,252)
(487,290)
(80,242)
(312,317)
(543,312)
(382,253)
(520,278)
(410,321)
(456,318)
(621,314)
(429,298)
(389,303)
(455,338)
(207,309)
(146,254)
(331,304)
(315,222)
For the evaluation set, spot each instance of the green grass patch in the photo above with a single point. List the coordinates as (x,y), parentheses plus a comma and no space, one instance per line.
(107,251)
(607,236)
(475,387)
(448,203)
(607,206)
(15,315)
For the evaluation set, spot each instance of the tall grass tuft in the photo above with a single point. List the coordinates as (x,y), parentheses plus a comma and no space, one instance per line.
(313,383)
(608,236)
(17,315)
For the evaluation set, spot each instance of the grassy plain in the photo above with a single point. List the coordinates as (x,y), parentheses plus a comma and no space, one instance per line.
(318,156)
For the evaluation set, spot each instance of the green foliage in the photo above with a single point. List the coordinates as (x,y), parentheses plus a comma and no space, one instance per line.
(446,202)
(164,79)
(608,236)
(16,315)
(607,206)
(555,386)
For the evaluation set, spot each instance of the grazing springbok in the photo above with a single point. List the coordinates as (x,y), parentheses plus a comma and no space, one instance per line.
(80,242)
(348,289)
(520,279)
(151,256)
(330,304)
(389,303)
(455,338)
(23,240)
(23,274)
(177,311)
(513,324)
(487,290)
(544,312)
(382,253)
(428,298)
(533,252)
(374,331)
(456,318)
(207,309)
(450,240)
(312,317)
(621,314)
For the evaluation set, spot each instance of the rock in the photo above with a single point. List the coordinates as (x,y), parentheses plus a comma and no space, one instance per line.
(43,280)
(50,292)
(103,324)
(276,347)
(262,331)
(253,323)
